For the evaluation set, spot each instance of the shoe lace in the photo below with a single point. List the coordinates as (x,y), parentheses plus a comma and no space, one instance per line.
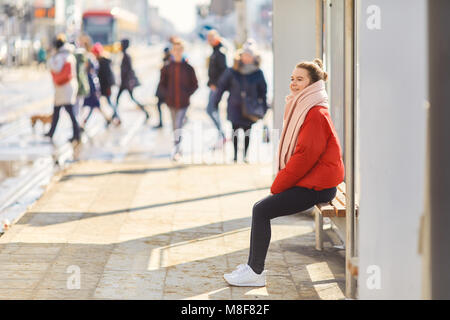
(240,269)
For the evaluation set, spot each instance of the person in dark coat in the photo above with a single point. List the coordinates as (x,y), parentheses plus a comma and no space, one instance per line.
(105,77)
(245,78)
(178,82)
(159,91)
(93,100)
(217,65)
(129,81)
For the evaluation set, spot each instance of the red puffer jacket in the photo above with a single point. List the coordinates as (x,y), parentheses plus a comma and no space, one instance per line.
(64,76)
(317,162)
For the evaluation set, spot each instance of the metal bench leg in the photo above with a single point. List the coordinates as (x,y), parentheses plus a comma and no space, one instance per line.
(318,217)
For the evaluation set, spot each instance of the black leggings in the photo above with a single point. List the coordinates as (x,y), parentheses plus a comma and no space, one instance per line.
(55,119)
(130,91)
(247,132)
(160,102)
(291,201)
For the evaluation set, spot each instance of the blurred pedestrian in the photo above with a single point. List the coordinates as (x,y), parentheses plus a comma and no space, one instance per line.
(82,78)
(159,92)
(93,100)
(41,56)
(310,166)
(62,66)
(92,66)
(217,65)
(178,82)
(106,78)
(129,80)
(248,89)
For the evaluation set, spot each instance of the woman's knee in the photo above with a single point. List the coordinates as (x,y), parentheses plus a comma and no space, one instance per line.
(259,210)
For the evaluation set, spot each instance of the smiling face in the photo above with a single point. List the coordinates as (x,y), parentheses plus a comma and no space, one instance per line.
(300,79)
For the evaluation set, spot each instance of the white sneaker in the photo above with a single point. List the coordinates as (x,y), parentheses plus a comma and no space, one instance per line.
(176,154)
(241,266)
(244,276)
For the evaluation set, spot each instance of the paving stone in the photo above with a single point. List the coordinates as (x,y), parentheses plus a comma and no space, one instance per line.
(62,294)
(20,275)
(18,283)
(180,286)
(16,294)
(25,266)
(157,231)
(35,249)
(31,258)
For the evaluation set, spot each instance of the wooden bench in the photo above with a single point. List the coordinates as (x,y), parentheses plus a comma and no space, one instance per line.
(336,211)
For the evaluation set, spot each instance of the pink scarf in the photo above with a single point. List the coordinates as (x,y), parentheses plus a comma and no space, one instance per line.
(297,107)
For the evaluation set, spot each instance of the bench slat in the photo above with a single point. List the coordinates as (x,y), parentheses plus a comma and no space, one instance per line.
(341,187)
(341,198)
(336,208)
(339,208)
(327,209)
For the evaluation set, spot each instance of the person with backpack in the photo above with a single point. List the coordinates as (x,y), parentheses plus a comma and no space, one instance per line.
(247,101)
(82,78)
(62,66)
(93,100)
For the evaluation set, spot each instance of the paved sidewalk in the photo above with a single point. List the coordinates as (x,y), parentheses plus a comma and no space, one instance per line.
(136,226)
(140,230)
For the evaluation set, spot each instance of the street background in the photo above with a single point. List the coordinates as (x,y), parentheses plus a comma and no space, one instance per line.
(116,210)
(142,227)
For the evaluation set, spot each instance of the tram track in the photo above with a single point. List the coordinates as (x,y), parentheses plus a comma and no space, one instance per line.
(42,161)
(43,168)
(14,128)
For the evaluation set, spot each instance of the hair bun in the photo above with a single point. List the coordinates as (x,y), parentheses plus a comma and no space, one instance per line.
(319,63)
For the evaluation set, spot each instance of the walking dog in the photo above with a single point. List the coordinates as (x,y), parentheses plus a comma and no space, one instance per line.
(44,119)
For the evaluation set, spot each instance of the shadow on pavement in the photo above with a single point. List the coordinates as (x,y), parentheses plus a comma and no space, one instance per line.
(182,264)
(67,216)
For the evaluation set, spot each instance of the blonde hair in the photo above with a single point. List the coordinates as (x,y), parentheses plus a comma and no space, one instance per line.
(315,70)
(61,37)
(213,32)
